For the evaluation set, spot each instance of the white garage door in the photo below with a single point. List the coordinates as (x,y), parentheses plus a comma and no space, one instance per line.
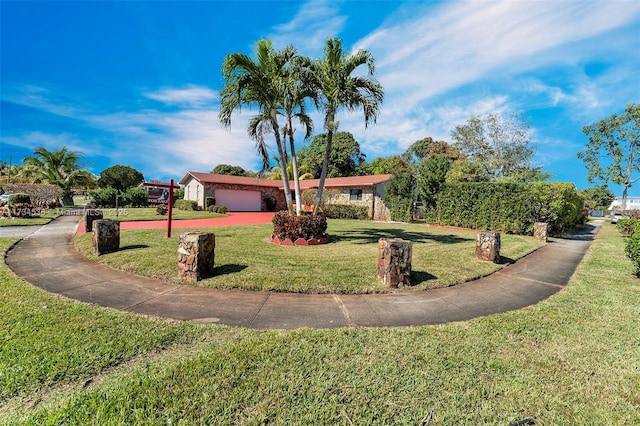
(239,201)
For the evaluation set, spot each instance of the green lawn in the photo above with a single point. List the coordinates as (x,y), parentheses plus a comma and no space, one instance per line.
(573,359)
(22,222)
(246,259)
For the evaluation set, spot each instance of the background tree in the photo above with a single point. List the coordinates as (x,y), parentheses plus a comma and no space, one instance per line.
(500,146)
(227,169)
(59,168)
(430,176)
(344,159)
(120,178)
(394,165)
(613,151)
(337,88)
(598,197)
(427,147)
(259,83)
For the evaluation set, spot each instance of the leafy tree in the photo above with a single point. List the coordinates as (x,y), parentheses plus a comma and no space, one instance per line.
(500,146)
(226,169)
(613,151)
(120,177)
(427,147)
(394,165)
(259,83)
(336,87)
(597,197)
(59,168)
(344,159)
(466,171)
(399,196)
(430,176)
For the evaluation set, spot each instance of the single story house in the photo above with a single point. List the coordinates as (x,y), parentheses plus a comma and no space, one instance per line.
(240,193)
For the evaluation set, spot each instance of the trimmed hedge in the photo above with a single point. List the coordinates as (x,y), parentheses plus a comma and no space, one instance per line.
(294,227)
(19,198)
(628,227)
(632,250)
(508,206)
(346,211)
(217,209)
(186,205)
(209,201)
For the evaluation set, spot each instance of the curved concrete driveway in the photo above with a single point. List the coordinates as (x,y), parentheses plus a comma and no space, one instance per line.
(48,259)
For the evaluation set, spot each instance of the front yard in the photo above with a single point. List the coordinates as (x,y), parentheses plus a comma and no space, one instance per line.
(246,259)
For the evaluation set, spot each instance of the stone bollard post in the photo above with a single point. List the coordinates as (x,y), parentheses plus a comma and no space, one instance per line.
(196,255)
(90,216)
(488,246)
(106,236)
(540,231)
(394,262)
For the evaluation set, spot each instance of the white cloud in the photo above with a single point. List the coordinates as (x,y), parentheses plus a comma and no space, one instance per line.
(188,96)
(315,21)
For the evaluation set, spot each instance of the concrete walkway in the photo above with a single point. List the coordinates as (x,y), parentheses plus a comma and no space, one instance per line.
(48,259)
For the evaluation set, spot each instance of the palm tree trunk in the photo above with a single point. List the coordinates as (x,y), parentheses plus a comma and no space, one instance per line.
(323,174)
(296,177)
(282,152)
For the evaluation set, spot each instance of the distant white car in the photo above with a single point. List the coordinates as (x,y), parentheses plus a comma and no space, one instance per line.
(615,216)
(5,197)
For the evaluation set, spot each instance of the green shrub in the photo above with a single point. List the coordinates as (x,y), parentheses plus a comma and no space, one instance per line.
(508,206)
(178,194)
(294,227)
(632,250)
(628,226)
(399,194)
(217,209)
(135,197)
(104,197)
(19,198)
(209,201)
(346,211)
(185,204)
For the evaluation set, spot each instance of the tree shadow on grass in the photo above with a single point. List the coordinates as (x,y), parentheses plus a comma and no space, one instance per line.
(369,236)
(133,247)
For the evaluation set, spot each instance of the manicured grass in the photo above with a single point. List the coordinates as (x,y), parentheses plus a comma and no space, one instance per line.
(572,359)
(246,259)
(23,222)
(149,213)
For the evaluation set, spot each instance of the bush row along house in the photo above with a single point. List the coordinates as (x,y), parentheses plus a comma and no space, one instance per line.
(239,193)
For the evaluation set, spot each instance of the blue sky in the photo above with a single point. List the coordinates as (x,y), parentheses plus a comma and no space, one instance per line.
(137,83)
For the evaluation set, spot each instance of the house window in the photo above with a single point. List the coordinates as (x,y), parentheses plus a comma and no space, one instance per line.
(355,195)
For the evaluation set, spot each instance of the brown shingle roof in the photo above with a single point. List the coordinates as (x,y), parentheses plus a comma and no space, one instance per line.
(341,182)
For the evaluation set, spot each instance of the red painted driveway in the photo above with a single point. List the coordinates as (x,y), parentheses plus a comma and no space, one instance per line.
(232,219)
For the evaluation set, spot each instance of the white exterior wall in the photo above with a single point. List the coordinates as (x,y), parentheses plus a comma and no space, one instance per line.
(633,203)
(194,190)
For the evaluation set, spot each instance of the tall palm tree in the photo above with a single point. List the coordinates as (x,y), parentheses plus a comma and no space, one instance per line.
(60,167)
(293,106)
(261,83)
(338,89)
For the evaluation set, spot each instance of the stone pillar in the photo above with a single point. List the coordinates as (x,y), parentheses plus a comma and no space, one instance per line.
(540,231)
(488,246)
(394,262)
(106,236)
(196,255)
(90,216)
